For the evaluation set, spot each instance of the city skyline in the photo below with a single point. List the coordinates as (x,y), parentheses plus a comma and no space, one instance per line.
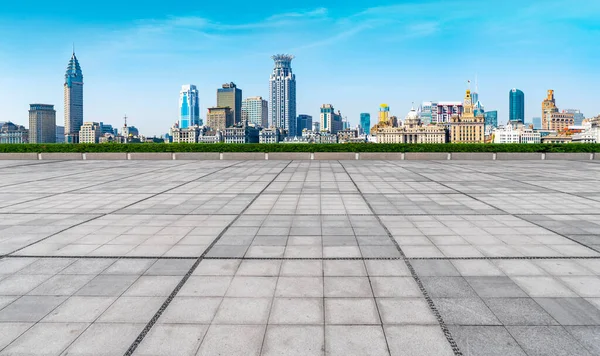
(136,46)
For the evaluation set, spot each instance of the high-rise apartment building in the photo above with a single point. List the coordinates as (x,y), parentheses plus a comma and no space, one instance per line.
(229,95)
(73,95)
(42,123)
(516,103)
(467,128)
(219,119)
(256,110)
(303,122)
(282,94)
(189,107)
(365,122)
(330,120)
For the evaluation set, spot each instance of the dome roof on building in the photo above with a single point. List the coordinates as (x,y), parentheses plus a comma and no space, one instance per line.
(412,115)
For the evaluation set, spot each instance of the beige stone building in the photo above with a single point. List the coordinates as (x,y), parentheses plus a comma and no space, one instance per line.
(552,119)
(90,132)
(468,127)
(219,118)
(42,123)
(412,131)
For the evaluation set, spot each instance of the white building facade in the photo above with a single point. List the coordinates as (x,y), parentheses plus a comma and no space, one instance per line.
(282,95)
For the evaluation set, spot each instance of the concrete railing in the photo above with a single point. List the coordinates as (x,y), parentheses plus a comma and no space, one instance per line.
(243,156)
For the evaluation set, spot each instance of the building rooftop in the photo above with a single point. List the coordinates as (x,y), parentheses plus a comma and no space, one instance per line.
(284,257)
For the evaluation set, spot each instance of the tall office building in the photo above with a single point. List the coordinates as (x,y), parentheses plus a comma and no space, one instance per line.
(219,119)
(303,122)
(491,118)
(189,107)
(516,103)
(60,134)
(73,94)
(439,112)
(282,94)
(330,120)
(42,123)
(229,95)
(256,110)
(365,122)
(537,123)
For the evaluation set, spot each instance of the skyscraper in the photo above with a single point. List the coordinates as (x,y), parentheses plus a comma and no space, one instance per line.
(189,106)
(365,122)
(256,110)
(303,122)
(229,95)
(42,123)
(282,94)
(491,118)
(516,102)
(73,93)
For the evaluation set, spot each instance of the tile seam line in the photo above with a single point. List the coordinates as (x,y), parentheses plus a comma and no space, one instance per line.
(186,277)
(514,215)
(444,328)
(112,212)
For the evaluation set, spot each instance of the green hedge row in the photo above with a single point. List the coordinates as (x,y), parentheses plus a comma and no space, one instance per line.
(343,147)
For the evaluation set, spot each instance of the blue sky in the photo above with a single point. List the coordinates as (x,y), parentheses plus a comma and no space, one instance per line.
(135,55)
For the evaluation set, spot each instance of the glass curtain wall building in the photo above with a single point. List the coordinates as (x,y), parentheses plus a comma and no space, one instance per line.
(365,122)
(516,110)
(73,95)
(189,107)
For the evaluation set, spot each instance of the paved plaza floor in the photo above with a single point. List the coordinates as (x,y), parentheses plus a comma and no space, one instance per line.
(300,258)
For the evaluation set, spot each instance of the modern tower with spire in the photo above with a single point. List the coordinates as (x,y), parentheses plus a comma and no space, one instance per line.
(282,94)
(73,92)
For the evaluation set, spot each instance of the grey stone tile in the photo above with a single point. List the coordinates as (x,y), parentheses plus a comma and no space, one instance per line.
(88,266)
(387,268)
(252,287)
(344,268)
(465,311)
(448,287)
(571,311)
(47,266)
(476,268)
(228,251)
(45,339)
(205,286)
(191,310)
(395,287)
(351,311)
(21,284)
(107,285)
(169,267)
(302,268)
(547,341)
(132,310)
(30,308)
(259,268)
(495,287)
(166,339)
(297,311)
(546,287)
(217,268)
(153,286)
(6,300)
(588,336)
(355,340)
(347,287)
(405,311)
(105,339)
(434,268)
(243,311)
(585,286)
(129,267)
(299,287)
(232,340)
(79,310)
(11,331)
(485,341)
(293,340)
(62,285)
(519,311)
(417,340)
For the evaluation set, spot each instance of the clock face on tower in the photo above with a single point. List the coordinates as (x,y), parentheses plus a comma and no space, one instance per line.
(468,102)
